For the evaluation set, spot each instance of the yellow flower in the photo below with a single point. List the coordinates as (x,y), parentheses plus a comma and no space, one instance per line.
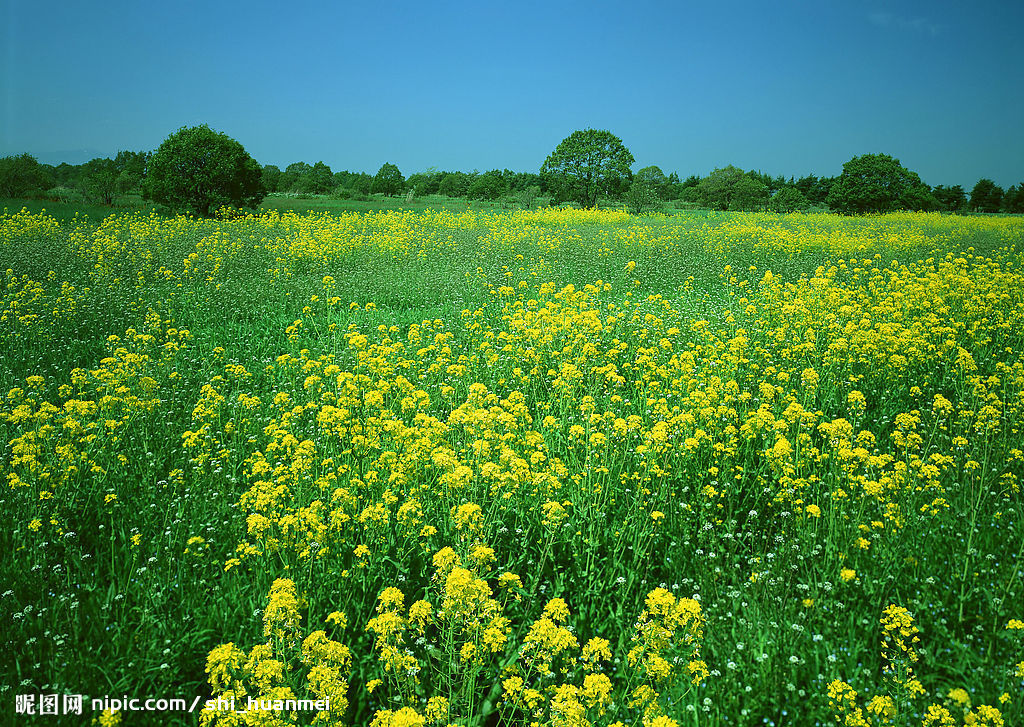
(337,618)
(960,696)
(282,612)
(557,610)
(847,574)
(509,580)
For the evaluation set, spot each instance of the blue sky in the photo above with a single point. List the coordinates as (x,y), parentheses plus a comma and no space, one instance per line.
(784,86)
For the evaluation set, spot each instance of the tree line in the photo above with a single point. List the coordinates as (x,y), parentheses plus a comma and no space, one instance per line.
(590,167)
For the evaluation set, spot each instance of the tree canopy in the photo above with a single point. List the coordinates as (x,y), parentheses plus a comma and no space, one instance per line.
(749,195)
(22,174)
(197,169)
(586,165)
(100,180)
(655,179)
(388,181)
(986,196)
(716,190)
(877,183)
(787,199)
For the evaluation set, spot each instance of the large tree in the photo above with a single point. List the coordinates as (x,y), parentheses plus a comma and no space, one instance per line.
(388,180)
(99,180)
(949,199)
(749,194)
(489,185)
(318,180)
(787,199)
(271,177)
(198,170)
(1013,200)
(586,165)
(22,174)
(653,178)
(877,183)
(131,169)
(716,190)
(986,196)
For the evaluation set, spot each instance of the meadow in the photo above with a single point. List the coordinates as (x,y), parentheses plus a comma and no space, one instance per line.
(484,467)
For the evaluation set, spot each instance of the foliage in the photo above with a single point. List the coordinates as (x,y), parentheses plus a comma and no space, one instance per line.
(986,196)
(787,199)
(716,190)
(653,178)
(131,169)
(21,175)
(455,184)
(100,180)
(874,183)
(586,165)
(317,180)
(199,170)
(949,199)
(641,199)
(489,185)
(271,176)
(388,181)
(527,198)
(1013,200)
(749,195)
(815,189)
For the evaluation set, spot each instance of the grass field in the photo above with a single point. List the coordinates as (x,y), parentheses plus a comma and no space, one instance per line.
(484,467)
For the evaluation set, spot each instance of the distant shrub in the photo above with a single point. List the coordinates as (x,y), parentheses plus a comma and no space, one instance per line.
(63,194)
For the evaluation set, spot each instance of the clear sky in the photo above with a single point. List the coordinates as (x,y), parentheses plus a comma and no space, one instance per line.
(789,87)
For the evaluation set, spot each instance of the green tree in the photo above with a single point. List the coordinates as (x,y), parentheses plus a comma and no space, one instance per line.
(586,165)
(815,189)
(1013,200)
(787,199)
(641,198)
(715,191)
(131,170)
(292,176)
(655,179)
(99,180)
(197,169)
(489,185)
(21,175)
(876,183)
(388,181)
(986,196)
(749,194)
(455,184)
(527,197)
(949,199)
(317,180)
(271,176)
